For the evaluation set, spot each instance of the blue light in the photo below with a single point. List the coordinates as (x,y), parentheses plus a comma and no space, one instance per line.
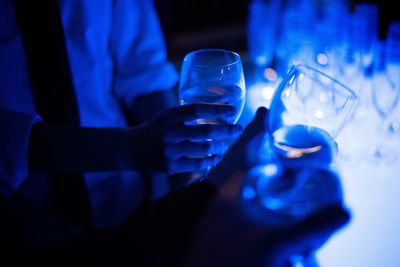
(249,193)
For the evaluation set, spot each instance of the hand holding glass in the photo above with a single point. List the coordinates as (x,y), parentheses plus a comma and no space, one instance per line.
(307,112)
(213,76)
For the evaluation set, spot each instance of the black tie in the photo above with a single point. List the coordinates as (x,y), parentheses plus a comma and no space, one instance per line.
(54,94)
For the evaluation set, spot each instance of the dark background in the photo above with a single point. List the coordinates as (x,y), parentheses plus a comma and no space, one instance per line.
(195,24)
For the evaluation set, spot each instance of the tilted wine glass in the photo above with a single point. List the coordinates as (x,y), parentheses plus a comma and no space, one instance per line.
(308,111)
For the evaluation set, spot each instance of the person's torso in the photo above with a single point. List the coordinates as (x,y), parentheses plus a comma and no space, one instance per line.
(87,28)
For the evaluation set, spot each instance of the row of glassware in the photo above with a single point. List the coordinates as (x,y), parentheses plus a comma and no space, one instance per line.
(343,41)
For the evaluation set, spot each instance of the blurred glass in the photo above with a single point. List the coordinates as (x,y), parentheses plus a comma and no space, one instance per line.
(263,23)
(386,93)
(330,32)
(297,35)
(349,57)
(350,71)
(368,17)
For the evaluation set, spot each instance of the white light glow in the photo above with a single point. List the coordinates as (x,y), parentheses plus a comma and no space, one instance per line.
(261,60)
(287,92)
(270,170)
(319,114)
(267,92)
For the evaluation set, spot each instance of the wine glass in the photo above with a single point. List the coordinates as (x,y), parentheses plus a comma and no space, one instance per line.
(350,57)
(368,16)
(311,98)
(297,177)
(350,70)
(364,37)
(385,94)
(263,22)
(213,76)
(297,36)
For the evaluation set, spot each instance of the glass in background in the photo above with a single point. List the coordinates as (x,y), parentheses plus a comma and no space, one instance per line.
(355,69)
(297,35)
(349,57)
(368,17)
(332,18)
(366,32)
(393,44)
(262,27)
(349,71)
(392,47)
(385,94)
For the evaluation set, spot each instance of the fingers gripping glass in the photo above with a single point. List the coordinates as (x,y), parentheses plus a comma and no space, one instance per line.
(213,76)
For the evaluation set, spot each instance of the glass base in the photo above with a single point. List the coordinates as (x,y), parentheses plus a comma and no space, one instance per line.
(383,154)
(347,159)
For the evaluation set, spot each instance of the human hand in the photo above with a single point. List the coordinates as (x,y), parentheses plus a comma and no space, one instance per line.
(226,237)
(166,142)
(236,158)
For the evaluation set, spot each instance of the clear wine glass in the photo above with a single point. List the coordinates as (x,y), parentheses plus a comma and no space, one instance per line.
(263,22)
(328,105)
(297,177)
(213,76)
(350,57)
(366,36)
(350,70)
(385,94)
(368,16)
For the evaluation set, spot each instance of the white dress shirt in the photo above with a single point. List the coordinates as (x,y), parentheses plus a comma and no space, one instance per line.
(117,52)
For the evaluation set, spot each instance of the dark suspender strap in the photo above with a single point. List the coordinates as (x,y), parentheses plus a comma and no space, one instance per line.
(53,91)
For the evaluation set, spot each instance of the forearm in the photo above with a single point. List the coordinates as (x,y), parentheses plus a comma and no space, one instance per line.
(57,148)
(147,106)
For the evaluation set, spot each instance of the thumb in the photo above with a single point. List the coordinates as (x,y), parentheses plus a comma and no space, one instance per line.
(258,125)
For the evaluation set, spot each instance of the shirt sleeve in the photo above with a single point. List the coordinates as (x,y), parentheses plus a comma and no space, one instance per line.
(138,48)
(14,137)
